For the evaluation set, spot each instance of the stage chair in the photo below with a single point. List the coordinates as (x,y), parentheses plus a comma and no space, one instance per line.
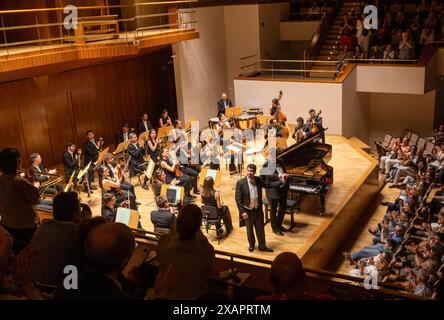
(421,143)
(407,133)
(161,231)
(211,218)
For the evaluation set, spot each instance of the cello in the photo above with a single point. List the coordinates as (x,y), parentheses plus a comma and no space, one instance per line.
(279,115)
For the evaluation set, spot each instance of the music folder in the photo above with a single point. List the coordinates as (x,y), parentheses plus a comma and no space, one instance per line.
(128,217)
(121,147)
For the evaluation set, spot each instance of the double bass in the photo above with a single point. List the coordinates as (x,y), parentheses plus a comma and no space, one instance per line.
(281,118)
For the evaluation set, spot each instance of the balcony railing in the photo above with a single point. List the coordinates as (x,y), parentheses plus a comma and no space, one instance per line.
(171,16)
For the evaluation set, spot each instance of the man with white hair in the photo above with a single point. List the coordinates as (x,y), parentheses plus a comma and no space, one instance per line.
(222,104)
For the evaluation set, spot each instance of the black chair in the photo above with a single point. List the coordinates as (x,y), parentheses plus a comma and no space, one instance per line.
(292,209)
(211,218)
(161,231)
(137,172)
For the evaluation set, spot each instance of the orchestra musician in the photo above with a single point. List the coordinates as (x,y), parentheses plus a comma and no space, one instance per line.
(137,162)
(249,203)
(115,171)
(123,135)
(35,168)
(144,124)
(172,171)
(92,150)
(211,197)
(153,145)
(299,133)
(222,104)
(277,195)
(110,185)
(70,161)
(222,125)
(164,120)
(314,124)
(273,129)
(178,133)
(159,178)
(186,154)
(281,118)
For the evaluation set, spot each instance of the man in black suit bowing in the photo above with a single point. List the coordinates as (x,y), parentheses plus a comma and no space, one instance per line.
(222,104)
(249,204)
(70,161)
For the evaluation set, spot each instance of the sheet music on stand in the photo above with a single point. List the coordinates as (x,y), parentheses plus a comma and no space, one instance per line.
(121,147)
(101,156)
(143,137)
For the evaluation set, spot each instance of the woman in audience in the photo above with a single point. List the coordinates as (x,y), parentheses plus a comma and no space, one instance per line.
(406,47)
(211,197)
(389,53)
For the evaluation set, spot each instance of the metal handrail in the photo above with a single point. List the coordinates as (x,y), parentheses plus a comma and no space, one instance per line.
(329,274)
(392,61)
(68,37)
(34,10)
(58,24)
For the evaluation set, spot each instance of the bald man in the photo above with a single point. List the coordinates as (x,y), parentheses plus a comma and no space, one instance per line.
(108,248)
(222,104)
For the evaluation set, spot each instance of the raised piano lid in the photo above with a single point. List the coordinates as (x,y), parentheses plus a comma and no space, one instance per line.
(302,153)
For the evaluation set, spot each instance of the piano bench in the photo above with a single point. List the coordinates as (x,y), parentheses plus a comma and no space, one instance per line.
(292,209)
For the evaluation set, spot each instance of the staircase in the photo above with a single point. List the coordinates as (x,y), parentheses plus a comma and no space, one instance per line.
(329,49)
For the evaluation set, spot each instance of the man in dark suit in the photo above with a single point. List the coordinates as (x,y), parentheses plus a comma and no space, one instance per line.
(162,217)
(144,125)
(249,204)
(108,248)
(35,174)
(123,135)
(136,161)
(277,196)
(108,210)
(222,104)
(314,118)
(92,150)
(70,162)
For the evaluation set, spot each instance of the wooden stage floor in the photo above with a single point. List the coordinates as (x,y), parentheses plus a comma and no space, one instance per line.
(351,168)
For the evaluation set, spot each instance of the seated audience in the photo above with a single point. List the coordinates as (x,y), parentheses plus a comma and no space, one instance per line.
(55,240)
(108,249)
(189,251)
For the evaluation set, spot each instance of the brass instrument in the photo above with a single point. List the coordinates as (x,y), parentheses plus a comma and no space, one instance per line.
(43,187)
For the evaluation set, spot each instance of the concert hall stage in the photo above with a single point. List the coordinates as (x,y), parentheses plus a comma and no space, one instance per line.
(315,238)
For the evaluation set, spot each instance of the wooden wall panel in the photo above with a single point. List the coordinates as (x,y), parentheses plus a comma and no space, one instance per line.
(64,106)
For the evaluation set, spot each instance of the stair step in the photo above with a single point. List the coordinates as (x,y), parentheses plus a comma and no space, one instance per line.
(330,42)
(326,57)
(329,52)
(333,37)
(329,46)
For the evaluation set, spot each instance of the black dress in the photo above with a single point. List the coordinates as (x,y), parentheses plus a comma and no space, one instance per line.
(224,212)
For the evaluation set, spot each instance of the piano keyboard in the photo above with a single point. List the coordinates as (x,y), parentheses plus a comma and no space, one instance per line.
(301,188)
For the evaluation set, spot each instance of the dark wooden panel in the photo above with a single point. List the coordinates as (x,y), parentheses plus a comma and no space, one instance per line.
(59,124)
(10,125)
(59,107)
(34,122)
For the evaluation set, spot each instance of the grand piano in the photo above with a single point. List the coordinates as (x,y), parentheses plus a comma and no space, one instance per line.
(308,173)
